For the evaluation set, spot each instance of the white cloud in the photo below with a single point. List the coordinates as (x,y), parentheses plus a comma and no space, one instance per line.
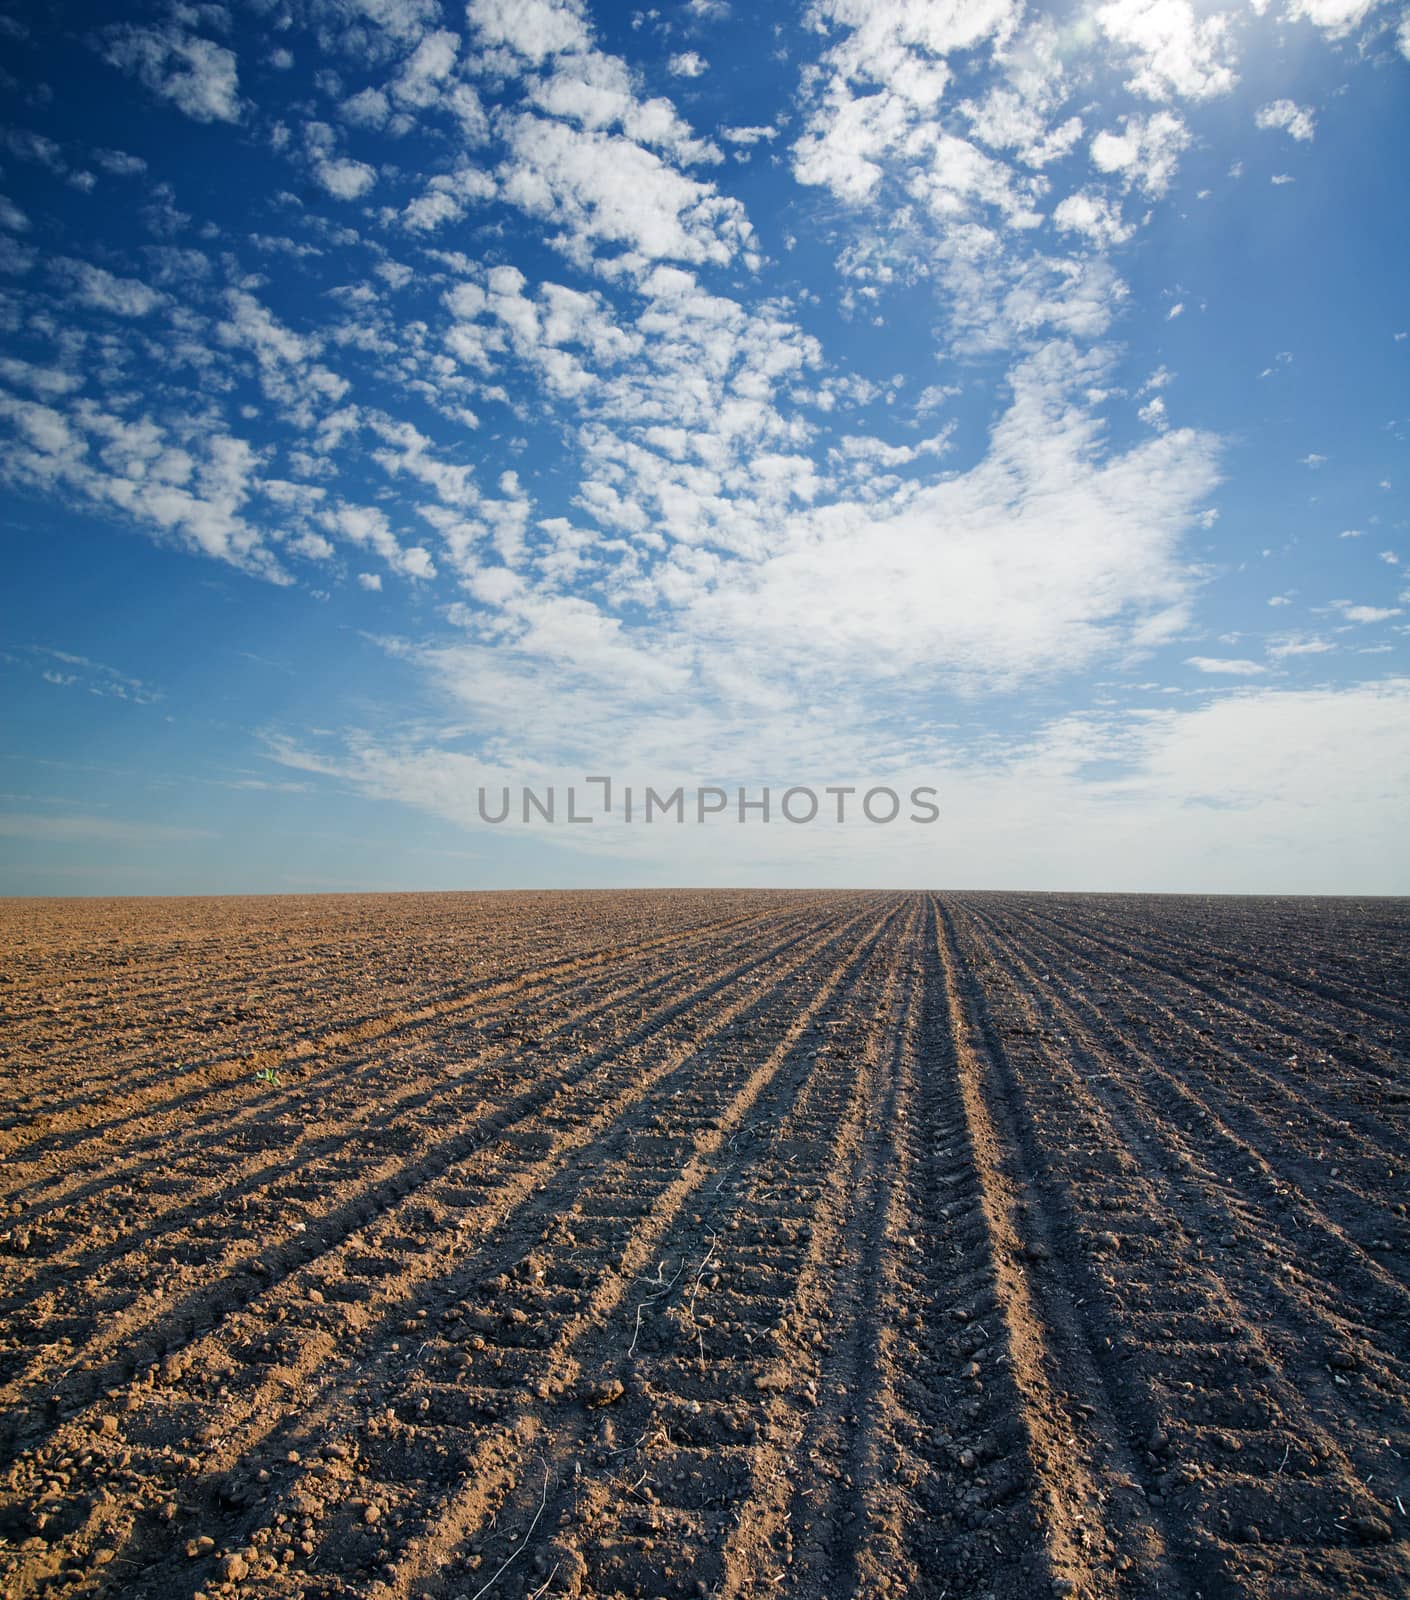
(596,91)
(1335,17)
(369,108)
(197,75)
(1261,790)
(1093,215)
(749,136)
(1289,116)
(345,179)
(425,71)
(959,177)
(447,197)
(119,163)
(12,217)
(370,580)
(1299,645)
(970,575)
(94,677)
(535,29)
(1225,666)
(895,52)
(688,64)
(1146,152)
(369,528)
(289,371)
(401,20)
(103,291)
(1023,111)
(39,380)
(196,494)
(1176,52)
(603,189)
(1365,614)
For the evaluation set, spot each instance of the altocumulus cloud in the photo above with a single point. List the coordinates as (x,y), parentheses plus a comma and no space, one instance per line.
(776,437)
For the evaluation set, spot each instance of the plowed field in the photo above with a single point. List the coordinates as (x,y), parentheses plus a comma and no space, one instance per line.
(731,1244)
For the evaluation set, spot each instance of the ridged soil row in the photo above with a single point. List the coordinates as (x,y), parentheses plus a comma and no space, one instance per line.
(192,1083)
(616,1454)
(905,1464)
(800,1518)
(1102,1535)
(1270,1161)
(201,1173)
(549,1317)
(1296,1009)
(1310,1064)
(73,1328)
(1252,1474)
(402,1268)
(215,979)
(1303,1080)
(1237,939)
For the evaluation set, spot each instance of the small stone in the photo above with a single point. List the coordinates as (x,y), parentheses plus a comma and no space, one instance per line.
(968,1460)
(371,1513)
(603,1394)
(102,1557)
(233,1567)
(108,1426)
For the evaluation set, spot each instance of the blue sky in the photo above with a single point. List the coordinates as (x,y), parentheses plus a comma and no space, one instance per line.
(402,397)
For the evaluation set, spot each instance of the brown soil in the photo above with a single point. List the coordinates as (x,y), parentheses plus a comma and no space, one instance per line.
(731,1244)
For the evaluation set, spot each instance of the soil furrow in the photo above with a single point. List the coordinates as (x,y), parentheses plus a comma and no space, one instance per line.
(1101,1533)
(748,1243)
(1219,975)
(1358,1233)
(370,1188)
(366,1033)
(1251,1042)
(1273,1482)
(333,1104)
(388,1298)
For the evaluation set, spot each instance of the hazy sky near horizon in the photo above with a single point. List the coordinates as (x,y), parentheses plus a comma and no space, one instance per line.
(399,397)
